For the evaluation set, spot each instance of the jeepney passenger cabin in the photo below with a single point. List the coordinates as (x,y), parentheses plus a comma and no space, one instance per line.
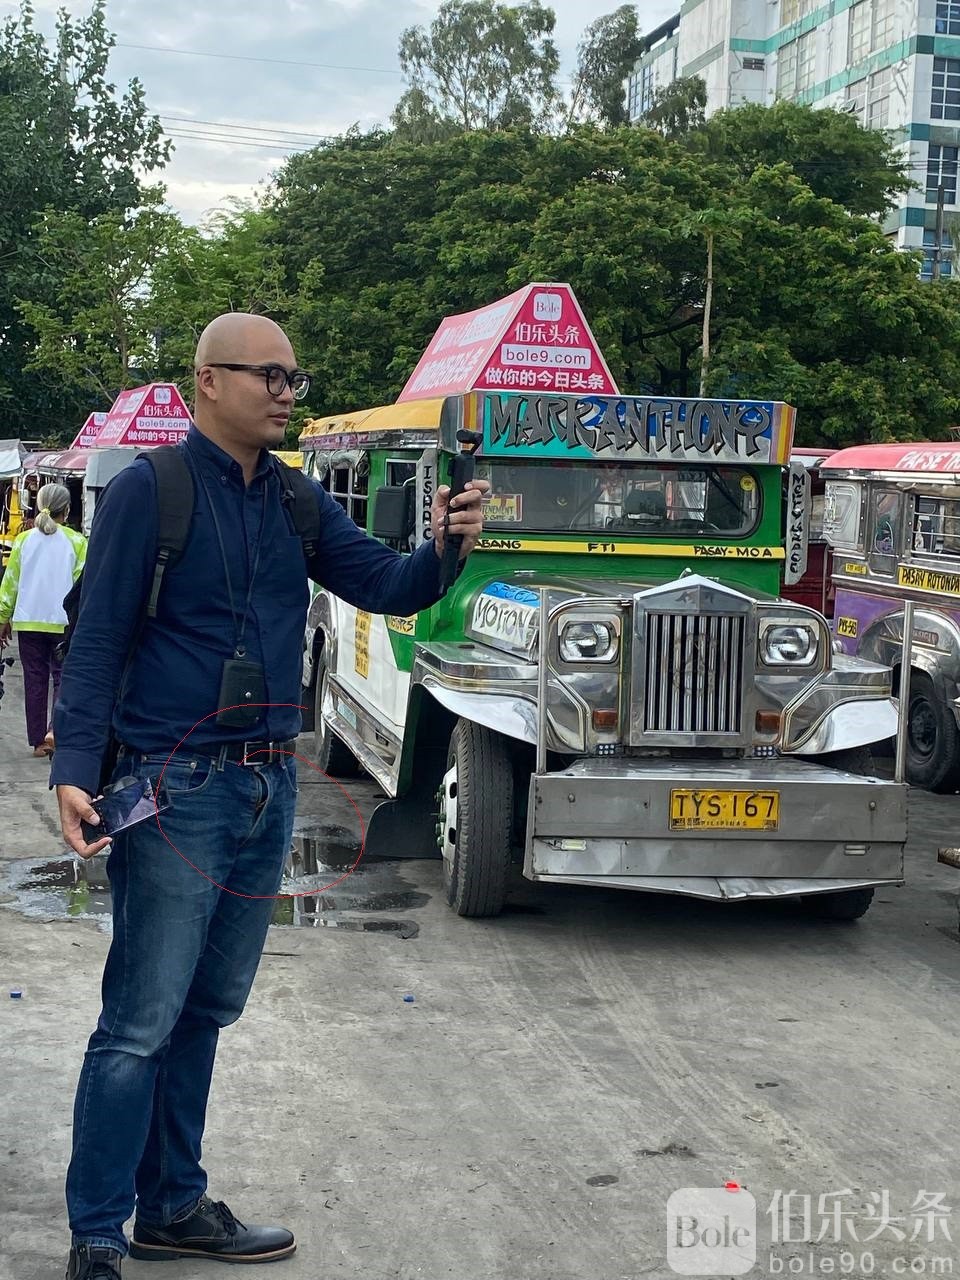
(892,516)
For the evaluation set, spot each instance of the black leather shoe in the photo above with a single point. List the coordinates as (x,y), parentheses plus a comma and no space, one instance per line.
(88,1262)
(211,1231)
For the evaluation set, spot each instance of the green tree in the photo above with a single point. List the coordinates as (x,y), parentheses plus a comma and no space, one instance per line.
(678,107)
(230,263)
(605,56)
(67,142)
(480,65)
(135,290)
(829,150)
(101,332)
(810,303)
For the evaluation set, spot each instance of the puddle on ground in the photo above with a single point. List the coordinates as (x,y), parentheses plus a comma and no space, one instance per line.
(320,890)
(321,859)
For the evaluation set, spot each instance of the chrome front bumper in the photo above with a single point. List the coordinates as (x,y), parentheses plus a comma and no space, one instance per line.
(606,822)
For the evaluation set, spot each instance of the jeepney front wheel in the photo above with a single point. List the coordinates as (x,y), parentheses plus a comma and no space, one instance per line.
(933,740)
(476,820)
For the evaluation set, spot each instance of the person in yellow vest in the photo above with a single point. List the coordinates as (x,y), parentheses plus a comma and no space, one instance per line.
(45,561)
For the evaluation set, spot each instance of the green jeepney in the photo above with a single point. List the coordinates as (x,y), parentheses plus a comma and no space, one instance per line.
(612,692)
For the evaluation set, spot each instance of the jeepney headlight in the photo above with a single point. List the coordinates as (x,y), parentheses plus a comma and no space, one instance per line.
(789,645)
(588,641)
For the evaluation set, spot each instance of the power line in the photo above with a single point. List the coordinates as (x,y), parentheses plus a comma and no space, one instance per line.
(277,62)
(250,128)
(225,140)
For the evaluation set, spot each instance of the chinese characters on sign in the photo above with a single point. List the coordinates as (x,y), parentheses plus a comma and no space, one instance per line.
(536,339)
(155,414)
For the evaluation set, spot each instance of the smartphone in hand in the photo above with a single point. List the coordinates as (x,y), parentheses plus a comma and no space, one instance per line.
(123,804)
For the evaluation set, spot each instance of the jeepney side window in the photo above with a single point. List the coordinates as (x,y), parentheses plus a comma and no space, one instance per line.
(935,526)
(348,486)
(886,510)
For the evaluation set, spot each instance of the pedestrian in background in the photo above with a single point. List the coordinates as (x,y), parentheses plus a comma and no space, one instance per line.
(44,564)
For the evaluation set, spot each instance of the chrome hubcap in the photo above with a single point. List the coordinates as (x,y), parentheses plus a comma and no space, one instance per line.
(447,818)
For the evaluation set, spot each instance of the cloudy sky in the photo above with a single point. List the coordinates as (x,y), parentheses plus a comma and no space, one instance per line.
(285,73)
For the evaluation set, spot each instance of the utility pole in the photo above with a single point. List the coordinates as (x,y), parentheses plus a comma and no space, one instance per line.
(938,234)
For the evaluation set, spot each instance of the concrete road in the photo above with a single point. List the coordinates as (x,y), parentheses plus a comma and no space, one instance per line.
(562,1071)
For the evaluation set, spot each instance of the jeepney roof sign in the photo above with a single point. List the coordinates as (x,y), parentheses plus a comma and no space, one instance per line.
(536,339)
(86,437)
(641,428)
(144,416)
(923,458)
(57,460)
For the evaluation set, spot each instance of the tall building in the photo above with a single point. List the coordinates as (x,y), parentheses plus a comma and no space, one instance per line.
(895,64)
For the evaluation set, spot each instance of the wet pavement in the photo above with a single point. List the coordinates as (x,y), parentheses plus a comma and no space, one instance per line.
(327,884)
(490,1099)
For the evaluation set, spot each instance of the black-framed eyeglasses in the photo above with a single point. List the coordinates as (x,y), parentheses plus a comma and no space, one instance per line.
(274,375)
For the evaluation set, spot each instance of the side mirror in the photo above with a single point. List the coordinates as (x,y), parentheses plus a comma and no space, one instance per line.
(394,512)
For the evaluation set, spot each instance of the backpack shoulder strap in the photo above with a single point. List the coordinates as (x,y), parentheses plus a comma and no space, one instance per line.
(300,500)
(174,511)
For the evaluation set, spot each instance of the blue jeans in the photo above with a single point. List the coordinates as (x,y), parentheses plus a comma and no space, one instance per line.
(180,967)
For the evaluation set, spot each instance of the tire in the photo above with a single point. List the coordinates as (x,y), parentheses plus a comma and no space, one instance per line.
(848,904)
(332,755)
(933,740)
(476,820)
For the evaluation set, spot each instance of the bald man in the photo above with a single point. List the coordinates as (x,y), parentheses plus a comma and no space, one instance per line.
(188,930)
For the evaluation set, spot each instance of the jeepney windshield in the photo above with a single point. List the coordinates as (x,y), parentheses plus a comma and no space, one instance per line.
(650,501)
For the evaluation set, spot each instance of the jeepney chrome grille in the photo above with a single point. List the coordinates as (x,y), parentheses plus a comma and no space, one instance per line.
(694,673)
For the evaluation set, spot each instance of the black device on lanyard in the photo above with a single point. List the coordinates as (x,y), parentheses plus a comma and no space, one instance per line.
(243,684)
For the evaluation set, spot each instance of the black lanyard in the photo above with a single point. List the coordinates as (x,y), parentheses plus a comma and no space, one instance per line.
(239,624)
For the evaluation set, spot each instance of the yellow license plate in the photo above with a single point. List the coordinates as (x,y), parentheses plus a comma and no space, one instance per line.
(692,810)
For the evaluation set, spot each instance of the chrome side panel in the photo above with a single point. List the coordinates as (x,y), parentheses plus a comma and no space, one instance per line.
(510,715)
(851,680)
(856,723)
(377,749)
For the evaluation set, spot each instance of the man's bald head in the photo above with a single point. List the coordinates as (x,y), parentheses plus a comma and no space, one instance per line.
(238,337)
(233,404)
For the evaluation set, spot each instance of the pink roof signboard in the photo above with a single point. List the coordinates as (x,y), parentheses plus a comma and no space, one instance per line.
(920,456)
(155,414)
(87,435)
(537,339)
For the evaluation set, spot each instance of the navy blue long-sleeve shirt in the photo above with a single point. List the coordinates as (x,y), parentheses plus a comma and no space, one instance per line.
(174,677)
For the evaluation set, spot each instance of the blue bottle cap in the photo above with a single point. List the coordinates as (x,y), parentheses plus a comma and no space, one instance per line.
(16,993)
(408,999)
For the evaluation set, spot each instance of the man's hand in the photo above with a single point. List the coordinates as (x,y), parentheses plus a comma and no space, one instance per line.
(75,807)
(6,631)
(466,518)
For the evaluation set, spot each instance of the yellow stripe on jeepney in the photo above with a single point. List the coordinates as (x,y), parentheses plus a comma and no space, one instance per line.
(611,547)
(412,415)
(947,584)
